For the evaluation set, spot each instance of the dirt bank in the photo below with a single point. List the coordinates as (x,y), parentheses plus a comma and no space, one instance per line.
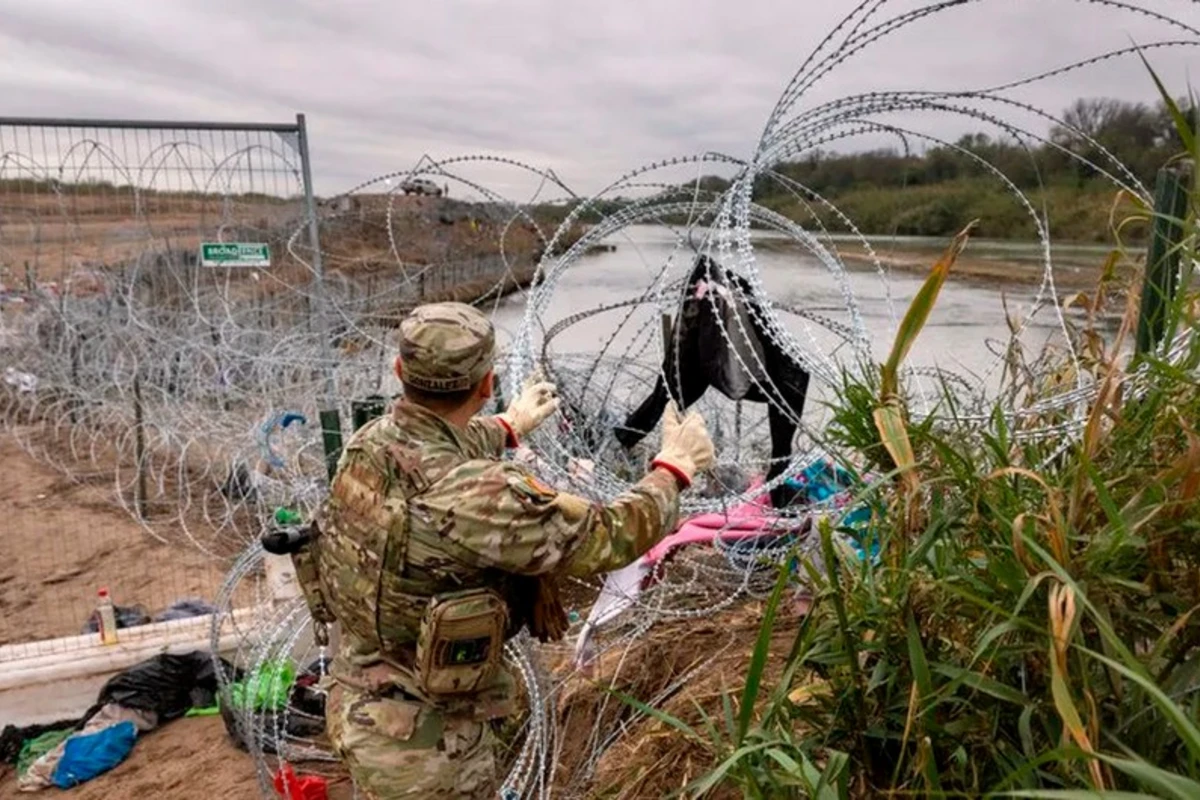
(986,270)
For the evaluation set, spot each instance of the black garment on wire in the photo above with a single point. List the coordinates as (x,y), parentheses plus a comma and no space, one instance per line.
(719,340)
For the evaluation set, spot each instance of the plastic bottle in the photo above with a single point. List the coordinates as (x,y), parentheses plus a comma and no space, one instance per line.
(108,618)
(286,516)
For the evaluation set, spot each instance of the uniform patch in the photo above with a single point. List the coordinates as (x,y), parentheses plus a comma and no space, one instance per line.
(530,488)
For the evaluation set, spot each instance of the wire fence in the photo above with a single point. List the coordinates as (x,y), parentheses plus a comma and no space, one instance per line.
(107,280)
(63,543)
(171,336)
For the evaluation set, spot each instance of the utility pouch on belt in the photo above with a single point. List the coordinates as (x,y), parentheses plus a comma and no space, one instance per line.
(461,640)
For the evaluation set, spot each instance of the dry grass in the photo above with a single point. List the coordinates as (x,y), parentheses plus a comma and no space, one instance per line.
(708,656)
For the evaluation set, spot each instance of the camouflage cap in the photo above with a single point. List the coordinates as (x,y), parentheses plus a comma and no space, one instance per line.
(446,347)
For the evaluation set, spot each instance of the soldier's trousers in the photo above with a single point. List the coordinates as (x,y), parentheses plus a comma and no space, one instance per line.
(395,747)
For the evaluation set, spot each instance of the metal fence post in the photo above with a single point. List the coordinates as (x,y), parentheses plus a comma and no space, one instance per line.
(1171,197)
(139,447)
(121,215)
(331,423)
(367,409)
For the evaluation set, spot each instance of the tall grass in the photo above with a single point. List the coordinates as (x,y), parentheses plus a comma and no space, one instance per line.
(1031,629)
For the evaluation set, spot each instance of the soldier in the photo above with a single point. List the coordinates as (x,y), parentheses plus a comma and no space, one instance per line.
(431,551)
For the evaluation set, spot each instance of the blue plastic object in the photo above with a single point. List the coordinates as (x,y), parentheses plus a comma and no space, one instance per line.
(822,482)
(88,755)
(291,417)
(282,419)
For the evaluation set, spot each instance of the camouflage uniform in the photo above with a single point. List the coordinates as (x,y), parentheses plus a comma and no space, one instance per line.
(419,507)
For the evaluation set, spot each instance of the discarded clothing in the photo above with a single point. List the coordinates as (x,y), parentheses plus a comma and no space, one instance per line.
(719,338)
(743,532)
(89,756)
(139,699)
(821,481)
(750,522)
(755,517)
(824,483)
(14,739)
(127,617)
(185,609)
(167,684)
(35,748)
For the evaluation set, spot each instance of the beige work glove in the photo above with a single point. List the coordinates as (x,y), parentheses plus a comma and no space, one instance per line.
(536,402)
(687,449)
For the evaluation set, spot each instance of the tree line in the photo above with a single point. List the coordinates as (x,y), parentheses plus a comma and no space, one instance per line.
(937,191)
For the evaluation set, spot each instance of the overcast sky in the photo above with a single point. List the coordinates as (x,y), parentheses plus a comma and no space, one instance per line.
(587,89)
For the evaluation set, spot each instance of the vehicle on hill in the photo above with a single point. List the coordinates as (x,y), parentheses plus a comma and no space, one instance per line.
(422,186)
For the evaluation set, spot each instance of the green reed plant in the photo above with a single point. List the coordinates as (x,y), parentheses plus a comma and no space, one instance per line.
(1031,629)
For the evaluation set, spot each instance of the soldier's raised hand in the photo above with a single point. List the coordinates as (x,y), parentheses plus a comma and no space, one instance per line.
(536,402)
(687,449)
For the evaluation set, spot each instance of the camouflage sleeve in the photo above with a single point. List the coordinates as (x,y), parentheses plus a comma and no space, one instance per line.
(506,518)
(486,437)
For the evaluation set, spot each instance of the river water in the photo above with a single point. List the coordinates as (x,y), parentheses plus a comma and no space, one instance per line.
(964,333)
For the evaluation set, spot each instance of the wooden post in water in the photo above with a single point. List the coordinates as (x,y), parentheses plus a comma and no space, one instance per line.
(1162,259)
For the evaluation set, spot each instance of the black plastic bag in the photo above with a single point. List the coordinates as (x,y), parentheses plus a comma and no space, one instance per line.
(185,609)
(167,684)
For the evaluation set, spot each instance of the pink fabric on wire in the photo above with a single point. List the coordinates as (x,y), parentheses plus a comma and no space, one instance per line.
(745,521)
(621,588)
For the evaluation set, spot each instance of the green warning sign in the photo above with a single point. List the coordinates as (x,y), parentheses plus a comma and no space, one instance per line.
(235,254)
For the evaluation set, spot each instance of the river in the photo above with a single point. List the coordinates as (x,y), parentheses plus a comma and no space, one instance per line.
(963,334)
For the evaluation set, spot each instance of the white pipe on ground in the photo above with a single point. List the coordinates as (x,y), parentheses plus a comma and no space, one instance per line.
(42,682)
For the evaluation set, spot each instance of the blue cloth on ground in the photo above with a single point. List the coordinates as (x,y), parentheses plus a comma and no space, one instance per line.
(89,755)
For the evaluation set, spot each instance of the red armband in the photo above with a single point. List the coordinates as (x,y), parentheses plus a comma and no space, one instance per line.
(680,475)
(512,442)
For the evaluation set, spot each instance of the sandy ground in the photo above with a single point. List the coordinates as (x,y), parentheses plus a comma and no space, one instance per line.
(61,541)
(188,759)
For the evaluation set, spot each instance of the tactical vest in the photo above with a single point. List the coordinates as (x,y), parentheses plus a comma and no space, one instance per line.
(378,581)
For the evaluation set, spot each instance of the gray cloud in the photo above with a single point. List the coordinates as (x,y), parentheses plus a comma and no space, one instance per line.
(589,91)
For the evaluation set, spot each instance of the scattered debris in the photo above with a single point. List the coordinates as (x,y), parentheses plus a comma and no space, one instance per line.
(185,609)
(127,617)
(133,702)
(24,382)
